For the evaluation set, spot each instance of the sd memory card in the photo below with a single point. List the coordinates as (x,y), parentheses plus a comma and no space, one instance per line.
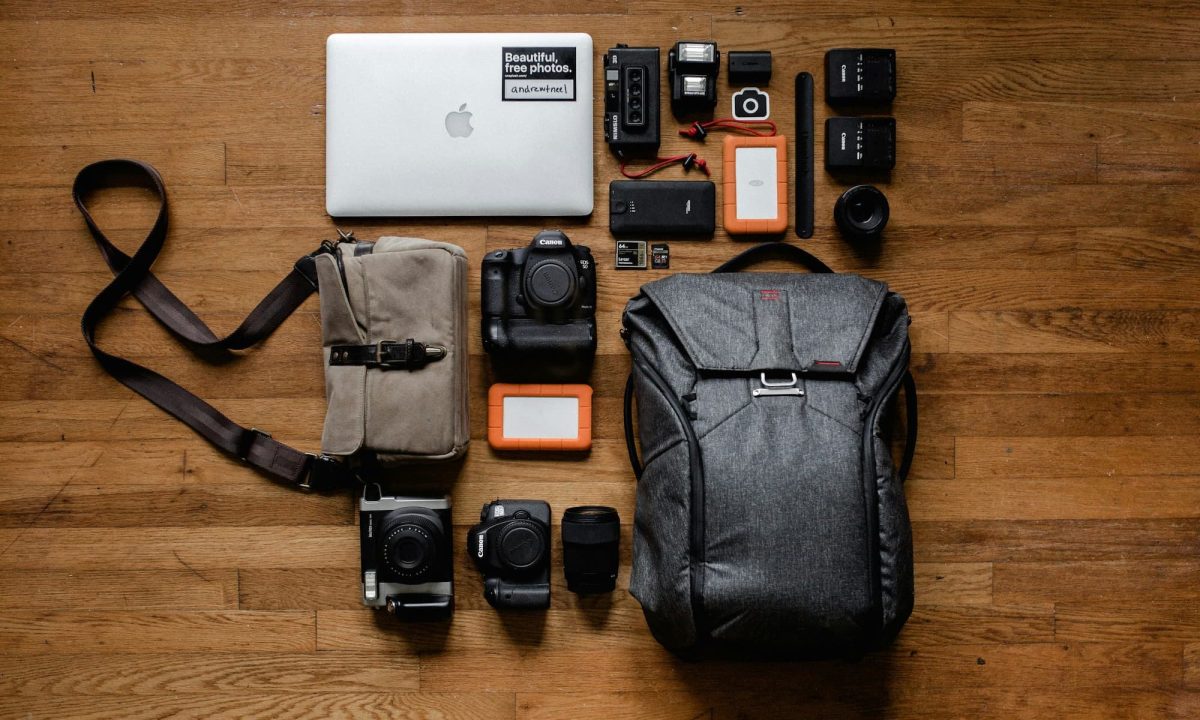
(631,254)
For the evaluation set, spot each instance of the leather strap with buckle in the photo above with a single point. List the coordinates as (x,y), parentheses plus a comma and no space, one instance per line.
(388,354)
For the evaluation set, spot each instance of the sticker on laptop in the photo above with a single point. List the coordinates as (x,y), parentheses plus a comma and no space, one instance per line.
(539,73)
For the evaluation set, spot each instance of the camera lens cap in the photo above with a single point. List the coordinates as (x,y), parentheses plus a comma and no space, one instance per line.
(861,213)
(521,545)
(551,284)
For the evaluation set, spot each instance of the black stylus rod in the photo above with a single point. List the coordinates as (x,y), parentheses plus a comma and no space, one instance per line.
(805,188)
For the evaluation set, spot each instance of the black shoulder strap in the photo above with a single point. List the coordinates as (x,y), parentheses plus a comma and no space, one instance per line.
(132,276)
(766,251)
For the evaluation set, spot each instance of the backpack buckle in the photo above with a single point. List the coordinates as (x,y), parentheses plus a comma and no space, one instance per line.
(777,387)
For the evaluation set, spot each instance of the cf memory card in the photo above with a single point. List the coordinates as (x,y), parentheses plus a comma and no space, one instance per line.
(631,254)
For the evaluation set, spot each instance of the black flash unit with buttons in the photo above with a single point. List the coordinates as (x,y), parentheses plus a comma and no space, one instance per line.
(693,68)
(662,207)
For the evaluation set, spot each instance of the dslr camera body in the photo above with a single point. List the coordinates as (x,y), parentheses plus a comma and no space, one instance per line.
(406,555)
(511,547)
(539,310)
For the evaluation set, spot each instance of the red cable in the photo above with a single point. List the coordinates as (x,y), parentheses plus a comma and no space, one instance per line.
(688,161)
(698,130)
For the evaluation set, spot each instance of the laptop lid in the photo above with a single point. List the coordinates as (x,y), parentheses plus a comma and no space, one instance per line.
(458,124)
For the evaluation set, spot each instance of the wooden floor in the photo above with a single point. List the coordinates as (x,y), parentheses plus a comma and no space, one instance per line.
(1044,231)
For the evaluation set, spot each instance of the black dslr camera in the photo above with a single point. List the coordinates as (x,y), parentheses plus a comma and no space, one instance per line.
(406,559)
(511,547)
(539,310)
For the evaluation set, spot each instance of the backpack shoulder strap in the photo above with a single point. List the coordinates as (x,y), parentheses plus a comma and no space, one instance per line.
(131,275)
(766,251)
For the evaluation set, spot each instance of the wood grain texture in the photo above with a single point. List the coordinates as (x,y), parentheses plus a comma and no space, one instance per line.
(1044,231)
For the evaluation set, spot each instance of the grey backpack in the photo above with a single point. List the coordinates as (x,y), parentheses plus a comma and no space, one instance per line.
(769,516)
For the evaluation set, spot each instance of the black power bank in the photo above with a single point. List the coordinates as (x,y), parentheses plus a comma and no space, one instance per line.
(662,207)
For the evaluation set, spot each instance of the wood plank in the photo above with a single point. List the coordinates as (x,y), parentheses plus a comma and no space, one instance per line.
(1096,583)
(1075,331)
(1135,163)
(1119,121)
(1055,498)
(953,583)
(994,457)
(150,548)
(201,673)
(1055,540)
(1147,621)
(1054,415)
(270,704)
(1164,372)
(213,589)
(54,632)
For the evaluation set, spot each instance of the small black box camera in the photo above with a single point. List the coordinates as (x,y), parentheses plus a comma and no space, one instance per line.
(631,99)
(511,547)
(539,310)
(406,558)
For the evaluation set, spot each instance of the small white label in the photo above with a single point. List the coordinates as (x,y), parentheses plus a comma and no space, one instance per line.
(539,89)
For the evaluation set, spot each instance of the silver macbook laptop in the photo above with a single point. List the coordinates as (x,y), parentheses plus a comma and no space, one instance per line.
(458,124)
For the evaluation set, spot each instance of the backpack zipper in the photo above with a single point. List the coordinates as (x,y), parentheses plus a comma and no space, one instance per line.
(696,530)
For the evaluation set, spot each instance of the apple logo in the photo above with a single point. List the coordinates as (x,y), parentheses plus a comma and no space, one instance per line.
(458,124)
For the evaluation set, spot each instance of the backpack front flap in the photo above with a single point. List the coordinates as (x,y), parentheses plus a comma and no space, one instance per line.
(757,397)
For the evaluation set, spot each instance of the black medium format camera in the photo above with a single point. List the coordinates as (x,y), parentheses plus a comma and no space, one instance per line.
(539,311)
(631,99)
(511,547)
(406,559)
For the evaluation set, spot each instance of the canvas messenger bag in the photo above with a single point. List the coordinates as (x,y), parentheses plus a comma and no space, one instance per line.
(393,330)
(769,515)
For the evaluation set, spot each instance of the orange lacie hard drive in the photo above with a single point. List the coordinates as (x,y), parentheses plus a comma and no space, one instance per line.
(540,417)
(754,182)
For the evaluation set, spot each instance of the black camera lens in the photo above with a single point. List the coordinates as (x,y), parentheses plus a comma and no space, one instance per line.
(410,543)
(861,213)
(591,536)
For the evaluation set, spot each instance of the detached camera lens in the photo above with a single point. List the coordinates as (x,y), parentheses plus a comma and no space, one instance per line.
(861,213)
(591,536)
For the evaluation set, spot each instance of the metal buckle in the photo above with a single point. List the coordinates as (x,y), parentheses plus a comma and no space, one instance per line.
(784,387)
(414,355)
(322,473)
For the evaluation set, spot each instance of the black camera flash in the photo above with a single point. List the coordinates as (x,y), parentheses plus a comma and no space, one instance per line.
(860,75)
(853,143)
(693,68)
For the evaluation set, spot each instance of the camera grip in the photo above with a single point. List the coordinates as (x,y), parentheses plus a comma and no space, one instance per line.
(502,594)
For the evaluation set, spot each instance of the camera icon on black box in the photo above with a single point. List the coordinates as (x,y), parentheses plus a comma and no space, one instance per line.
(751,104)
